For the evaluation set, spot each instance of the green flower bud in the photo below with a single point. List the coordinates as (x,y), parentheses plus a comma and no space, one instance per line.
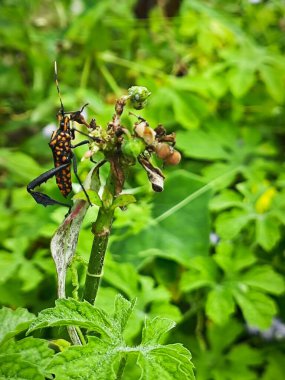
(133,147)
(138,96)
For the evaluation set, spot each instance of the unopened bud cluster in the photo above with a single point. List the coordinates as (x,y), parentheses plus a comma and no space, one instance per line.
(122,148)
(158,141)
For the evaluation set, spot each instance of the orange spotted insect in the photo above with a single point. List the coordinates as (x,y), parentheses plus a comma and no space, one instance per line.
(63,157)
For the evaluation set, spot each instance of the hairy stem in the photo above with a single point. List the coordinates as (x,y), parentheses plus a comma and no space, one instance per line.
(101,230)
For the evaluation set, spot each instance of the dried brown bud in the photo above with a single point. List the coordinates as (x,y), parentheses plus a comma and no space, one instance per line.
(173,159)
(145,132)
(163,150)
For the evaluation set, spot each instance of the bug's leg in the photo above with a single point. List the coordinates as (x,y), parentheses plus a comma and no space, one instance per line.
(98,164)
(97,139)
(78,179)
(42,198)
(80,143)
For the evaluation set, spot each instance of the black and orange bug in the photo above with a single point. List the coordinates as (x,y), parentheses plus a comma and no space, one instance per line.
(63,157)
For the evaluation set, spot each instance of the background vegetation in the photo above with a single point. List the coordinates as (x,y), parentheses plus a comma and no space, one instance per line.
(214,259)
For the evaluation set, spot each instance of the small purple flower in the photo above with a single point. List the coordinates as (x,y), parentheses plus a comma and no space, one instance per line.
(214,238)
(275,332)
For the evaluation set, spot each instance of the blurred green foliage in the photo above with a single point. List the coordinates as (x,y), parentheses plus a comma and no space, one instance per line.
(209,251)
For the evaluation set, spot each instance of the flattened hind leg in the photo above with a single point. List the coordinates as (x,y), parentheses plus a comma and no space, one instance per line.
(40,197)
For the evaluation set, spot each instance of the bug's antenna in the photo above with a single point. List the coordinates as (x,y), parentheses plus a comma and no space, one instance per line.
(57,87)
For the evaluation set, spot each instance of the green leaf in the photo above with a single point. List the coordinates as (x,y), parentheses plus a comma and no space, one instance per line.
(264,278)
(8,264)
(154,330)
(203,272)
(257,308)
(12,367)
(220,304)
(122,276)
(123,200)
(229,224)
(242,353)
(200,145)
(21,166)
(32,350)
(272,77)
(184,196)
(222,337)
(184,114)
(100,358)
(232,257)
(12,322)
(241,78)
(226,199)
(276,367)
(267,232)
(70,312)
(93,196)
(97,360)
(123,311)
(166,362)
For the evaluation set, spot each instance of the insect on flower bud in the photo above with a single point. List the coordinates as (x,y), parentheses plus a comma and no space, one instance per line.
(138,96)
(173,159)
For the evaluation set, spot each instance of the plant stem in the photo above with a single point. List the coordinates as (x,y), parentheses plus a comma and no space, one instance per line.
(101,230)
(121,368)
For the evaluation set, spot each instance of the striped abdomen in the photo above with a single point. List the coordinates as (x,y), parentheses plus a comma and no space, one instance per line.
(60,145)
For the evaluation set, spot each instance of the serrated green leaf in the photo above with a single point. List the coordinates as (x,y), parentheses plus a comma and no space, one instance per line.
(123,200)
(12,367)
(166,362)
(97,360)
(12,322)
(154,329)
(257,308)
(93,196)
(32,350)
(220,304)
(70,312)
(267,232)
(123,310)
(263,277)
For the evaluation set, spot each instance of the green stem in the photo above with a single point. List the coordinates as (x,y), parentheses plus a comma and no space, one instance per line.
(121,367)
(101,230)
